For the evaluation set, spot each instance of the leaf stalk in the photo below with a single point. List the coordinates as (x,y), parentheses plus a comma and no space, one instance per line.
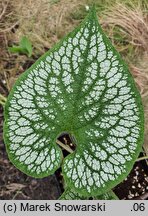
(2,100)
(142,158)
(66,147)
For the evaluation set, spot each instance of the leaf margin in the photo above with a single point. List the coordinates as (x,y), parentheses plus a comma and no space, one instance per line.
(42,58)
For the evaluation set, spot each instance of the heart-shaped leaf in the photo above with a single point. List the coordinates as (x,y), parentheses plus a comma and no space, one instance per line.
(82,87)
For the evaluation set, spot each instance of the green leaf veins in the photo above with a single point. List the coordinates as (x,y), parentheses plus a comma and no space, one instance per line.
(82,87)
(70,194)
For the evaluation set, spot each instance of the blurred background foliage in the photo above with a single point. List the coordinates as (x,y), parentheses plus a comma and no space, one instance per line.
(45,22)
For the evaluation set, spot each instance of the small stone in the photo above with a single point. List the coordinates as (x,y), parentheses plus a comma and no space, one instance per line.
(137,173)
(136,194)
(130,196)
(135,177)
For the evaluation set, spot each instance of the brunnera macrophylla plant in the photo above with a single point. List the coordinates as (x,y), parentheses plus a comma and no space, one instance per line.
(82,87)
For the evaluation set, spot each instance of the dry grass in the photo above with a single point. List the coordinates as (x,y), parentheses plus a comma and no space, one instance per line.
(8,23)
(7,17)
(132,23)
(44,22)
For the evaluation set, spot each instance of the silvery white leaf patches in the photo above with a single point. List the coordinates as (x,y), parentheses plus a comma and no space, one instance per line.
(83,87)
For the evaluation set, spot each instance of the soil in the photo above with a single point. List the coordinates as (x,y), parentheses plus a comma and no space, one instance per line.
(135,186)
(16,185)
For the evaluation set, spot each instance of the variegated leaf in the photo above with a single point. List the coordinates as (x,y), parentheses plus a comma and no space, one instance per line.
(81,87)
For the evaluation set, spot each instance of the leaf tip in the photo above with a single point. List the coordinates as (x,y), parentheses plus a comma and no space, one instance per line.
(92,12)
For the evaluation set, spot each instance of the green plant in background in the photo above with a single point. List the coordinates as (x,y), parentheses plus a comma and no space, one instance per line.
(24,47)
(81,87)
